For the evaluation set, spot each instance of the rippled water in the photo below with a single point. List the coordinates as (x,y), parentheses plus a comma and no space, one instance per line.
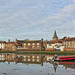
(25,64)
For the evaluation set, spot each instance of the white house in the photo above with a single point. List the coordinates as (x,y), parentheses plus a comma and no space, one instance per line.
(2,44)
(55,44)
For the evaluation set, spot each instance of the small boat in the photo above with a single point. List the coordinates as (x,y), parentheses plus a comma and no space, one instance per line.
(65,58)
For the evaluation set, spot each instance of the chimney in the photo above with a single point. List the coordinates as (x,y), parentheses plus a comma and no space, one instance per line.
(16,40)
(8,40)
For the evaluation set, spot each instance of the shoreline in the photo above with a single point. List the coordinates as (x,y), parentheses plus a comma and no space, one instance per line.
(41,52)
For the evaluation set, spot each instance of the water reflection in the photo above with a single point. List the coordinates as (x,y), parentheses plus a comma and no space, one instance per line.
(66,64)
(34,59)
(22,58)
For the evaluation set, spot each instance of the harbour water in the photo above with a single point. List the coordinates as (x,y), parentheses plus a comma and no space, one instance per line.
(32,64)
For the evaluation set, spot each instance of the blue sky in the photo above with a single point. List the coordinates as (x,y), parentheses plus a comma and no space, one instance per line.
(36,19)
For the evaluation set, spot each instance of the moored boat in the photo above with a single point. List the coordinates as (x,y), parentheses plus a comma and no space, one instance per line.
(65,58)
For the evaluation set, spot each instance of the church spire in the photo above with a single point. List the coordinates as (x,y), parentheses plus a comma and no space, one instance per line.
(55,36)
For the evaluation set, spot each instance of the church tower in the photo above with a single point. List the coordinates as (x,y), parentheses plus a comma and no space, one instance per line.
(55,36)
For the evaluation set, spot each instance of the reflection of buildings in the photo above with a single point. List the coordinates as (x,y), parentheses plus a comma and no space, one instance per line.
(22,58)
(48,58)
(7,57)
(31,59)
(34,59)
(68,64)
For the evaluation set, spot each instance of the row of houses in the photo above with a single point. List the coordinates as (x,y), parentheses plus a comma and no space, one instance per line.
(64,44)
(27,45)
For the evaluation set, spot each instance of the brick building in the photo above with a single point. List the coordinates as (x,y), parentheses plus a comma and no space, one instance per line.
(69,44)
(30,45)
(2,45)
(10,45)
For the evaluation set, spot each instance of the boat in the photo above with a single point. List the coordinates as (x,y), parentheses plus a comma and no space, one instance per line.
(65,58)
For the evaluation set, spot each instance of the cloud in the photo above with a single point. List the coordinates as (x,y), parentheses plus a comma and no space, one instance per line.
(36,18)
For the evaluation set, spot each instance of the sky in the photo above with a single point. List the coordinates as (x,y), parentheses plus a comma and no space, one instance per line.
(36,19)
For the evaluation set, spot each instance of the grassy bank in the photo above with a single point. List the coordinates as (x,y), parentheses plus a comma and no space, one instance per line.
(8,51)
(40,52)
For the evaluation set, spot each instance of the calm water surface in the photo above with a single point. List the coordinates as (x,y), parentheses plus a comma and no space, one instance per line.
(25,64)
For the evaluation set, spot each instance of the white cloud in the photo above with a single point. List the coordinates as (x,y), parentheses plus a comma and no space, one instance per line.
(23,17)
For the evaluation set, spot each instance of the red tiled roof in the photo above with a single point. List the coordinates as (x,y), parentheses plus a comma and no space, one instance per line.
(70,39)
(28,41)
(9,42)
(55,41)
(2,41)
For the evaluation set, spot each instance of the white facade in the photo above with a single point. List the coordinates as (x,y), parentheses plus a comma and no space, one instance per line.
(2,45)
(51,46)
(56,46)
(62,48)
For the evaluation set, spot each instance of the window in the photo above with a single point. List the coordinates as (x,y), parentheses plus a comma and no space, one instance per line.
(2,44)
(24,46)
(37,46)
(37,60)
(28,56)
(24,59)
(24,43)
(24,56)
(28,43)
(33,43)
(13,56)
(33,59)
(64,43)
(69,44)
(28,59)
(13,47)
(2,58)
(8,45)
(37,43)
(2,55)
(33,46)
(37,56)
(33,56)
(28,46)
(49,44)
